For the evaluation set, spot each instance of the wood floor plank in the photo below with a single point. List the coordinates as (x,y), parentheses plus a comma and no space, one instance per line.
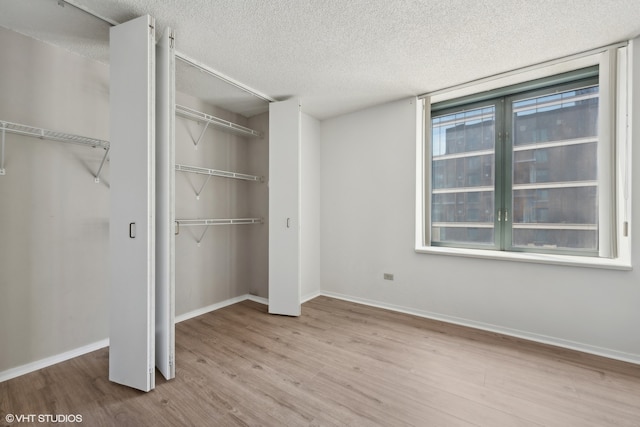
(340,363)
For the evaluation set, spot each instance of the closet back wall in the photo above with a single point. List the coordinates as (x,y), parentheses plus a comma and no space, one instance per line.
(225,265)
(54,220)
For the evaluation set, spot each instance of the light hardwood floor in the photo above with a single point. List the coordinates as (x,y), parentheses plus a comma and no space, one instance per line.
(339,364)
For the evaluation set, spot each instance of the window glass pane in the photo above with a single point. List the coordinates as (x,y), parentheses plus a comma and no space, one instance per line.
(463,177)
(577,162)
(574,240)
(564,205)
(559,117)
(554,171)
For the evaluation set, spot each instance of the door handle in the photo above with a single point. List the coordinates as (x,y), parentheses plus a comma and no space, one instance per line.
(288,222)
(132,230)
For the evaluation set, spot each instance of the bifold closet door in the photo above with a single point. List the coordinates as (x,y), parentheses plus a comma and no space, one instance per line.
(132,221)
(284,207)
(165,204)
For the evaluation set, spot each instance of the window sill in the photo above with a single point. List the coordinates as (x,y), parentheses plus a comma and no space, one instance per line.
(566,260)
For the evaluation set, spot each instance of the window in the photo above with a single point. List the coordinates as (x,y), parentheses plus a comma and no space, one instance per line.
(496,155)
(530,170)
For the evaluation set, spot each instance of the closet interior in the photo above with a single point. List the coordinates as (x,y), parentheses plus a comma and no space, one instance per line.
(220,176)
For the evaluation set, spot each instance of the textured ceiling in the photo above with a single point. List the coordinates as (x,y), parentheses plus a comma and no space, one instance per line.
(337,55)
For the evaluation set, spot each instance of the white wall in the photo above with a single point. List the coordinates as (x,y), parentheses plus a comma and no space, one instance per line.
(310,208)
(367,223)
(54,220)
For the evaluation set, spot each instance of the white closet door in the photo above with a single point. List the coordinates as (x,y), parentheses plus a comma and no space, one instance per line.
(284,207)
(165,204)
(132,226)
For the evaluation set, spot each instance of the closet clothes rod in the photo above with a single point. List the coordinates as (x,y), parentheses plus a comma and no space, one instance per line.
(19,129)
(208,119)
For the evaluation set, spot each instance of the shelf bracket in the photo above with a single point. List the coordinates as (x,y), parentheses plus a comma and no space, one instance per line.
(4,129)
(97,177)
(202,188)
(206,227)
(204,129)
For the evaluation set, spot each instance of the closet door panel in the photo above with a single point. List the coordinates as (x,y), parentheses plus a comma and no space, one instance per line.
(165,205)
(284,207)
(132,226)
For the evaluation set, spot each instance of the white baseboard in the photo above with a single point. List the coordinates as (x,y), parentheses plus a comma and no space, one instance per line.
(209,308)
(310,296)
(258,299)
(52,360)
(543,339)
(303,299)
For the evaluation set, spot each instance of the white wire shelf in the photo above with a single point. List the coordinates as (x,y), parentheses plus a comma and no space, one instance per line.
(41,133)
(209,222)
(230,221)
(208,119)
(216,172)
(52,135)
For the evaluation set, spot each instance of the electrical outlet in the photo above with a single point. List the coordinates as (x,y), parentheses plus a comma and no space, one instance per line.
(388,276)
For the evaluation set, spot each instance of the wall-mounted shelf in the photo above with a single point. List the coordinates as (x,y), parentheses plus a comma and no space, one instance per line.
(19,129)
(208,119)
(231,221)
(208,222)
(215,172)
